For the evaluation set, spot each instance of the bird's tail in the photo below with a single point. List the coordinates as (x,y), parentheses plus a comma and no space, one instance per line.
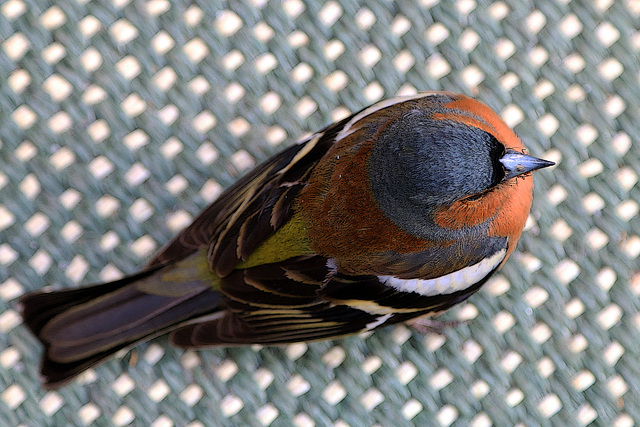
(79,328)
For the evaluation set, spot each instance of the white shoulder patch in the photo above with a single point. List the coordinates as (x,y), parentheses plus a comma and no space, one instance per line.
(450,283)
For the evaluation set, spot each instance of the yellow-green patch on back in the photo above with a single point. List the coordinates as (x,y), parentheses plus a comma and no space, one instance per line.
(287,242)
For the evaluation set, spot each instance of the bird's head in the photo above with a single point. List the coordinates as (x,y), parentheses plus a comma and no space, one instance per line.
(448,163)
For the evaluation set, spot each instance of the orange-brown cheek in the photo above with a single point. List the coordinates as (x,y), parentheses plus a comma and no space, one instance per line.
(506,207)
(469,213)
(513,216)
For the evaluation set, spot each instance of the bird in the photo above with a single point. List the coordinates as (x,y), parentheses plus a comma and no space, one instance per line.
(393,214)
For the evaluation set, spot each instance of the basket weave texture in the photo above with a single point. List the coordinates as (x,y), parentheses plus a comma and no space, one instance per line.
(120,120)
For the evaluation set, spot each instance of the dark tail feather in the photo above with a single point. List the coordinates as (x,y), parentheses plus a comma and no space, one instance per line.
(80,328)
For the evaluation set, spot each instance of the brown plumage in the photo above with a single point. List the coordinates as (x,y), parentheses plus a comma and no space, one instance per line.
(399,211)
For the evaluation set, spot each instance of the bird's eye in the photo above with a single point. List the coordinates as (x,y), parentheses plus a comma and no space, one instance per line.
(497,171)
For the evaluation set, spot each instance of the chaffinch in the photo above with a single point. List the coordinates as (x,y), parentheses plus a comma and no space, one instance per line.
(397,212)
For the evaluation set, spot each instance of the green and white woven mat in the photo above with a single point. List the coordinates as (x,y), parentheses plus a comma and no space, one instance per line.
(120,120)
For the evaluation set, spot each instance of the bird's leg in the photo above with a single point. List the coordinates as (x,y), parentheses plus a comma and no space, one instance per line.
(426,325)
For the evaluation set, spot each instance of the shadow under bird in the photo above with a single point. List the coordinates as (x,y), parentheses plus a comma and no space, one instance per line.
(394,214)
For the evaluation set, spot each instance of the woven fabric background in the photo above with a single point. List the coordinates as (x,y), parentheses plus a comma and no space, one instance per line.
(120,120)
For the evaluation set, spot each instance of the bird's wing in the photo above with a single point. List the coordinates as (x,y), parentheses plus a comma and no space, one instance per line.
(274,303)
(276,289)
(305,299)
(260,202)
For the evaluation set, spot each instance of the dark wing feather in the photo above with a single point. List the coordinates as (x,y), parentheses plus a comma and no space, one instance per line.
(211,221)
(303,299)
(275,304)
(252,209)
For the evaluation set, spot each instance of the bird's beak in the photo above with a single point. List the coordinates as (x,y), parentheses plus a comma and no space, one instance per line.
(516,163)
